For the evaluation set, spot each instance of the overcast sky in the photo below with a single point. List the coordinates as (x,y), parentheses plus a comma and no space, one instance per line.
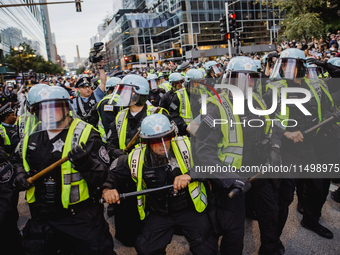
(73,28)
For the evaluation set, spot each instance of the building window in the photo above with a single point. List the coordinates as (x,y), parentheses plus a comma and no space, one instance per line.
(194,17)
(202,17)
(193,5)
(201,5)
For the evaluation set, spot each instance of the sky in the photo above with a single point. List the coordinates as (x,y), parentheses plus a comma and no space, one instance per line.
(73,28)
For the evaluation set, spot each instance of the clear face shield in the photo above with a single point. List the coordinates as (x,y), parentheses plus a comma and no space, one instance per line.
(196,87)
(313,72)
(217,71)
(178,84)
(153,84)
(287,68)
(53,116)
(124,95)
(159,151)
(244,81)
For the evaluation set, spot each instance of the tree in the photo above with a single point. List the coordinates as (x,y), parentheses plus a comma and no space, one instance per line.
(80,70)
(28,60)
(302,18)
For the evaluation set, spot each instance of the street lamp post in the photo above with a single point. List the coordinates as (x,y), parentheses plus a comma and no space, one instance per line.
(19,50)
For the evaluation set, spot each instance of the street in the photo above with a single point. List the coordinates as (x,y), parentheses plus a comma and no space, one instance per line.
(296,239)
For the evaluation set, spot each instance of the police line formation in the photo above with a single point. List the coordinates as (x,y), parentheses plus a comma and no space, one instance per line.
(131,134)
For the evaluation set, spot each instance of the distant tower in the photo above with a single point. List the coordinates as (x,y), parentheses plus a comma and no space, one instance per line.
(79,63)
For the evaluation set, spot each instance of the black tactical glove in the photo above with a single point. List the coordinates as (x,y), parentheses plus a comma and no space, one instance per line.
(78,155)
(336,115)
(242,184)
(20,182)
(316,62)
(275,157)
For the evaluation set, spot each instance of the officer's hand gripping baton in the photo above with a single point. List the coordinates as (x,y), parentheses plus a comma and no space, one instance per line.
(140,193)
(46,170)
(236,191)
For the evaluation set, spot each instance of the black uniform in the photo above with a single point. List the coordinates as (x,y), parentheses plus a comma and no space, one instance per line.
(230,212)
(171,102)
(108,113)
(301,153)
(91,102)
(165,211)
(126,214)
(10,239)
(12,132)
(81,228)
(155,96)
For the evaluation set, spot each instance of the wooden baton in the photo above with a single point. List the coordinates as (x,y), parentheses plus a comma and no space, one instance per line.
(46,170)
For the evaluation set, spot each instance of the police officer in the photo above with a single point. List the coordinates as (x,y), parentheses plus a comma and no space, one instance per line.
(261,198)
(10,239)
(66,214)
(177,103)
(236,145)
(164,159)
(184,68)
(295,149)
(155,93)
(214,73)
(132,92)
(162,82)
(105,112)
(333,67)
(9,95)
(8,129)
(87,98)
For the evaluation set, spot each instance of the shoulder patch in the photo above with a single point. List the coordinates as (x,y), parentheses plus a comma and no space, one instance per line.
(109,134)
(173,106)
(104,155)
(108,108)
(6,172)
(114,164)
(209,120)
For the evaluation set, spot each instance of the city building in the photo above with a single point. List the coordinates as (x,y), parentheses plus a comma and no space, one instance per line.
(51,53)
(22,24)
(154,31)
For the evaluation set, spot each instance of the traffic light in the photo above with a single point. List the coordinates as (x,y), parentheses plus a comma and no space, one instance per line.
(78,6)
(228,36)
(223,26)
(232,22)
(126,58)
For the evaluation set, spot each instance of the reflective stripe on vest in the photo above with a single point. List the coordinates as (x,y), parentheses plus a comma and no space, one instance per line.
(182,150)
(263,107)
(166,86)
(122,121)
(315,87)
(184,105)
(74,187)
(230,150)
(4,135)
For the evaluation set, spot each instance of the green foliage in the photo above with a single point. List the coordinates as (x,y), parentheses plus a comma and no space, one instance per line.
(80,70)
(307,18)
(28,60)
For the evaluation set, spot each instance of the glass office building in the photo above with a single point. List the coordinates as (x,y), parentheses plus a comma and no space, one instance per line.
(21,24)
(166,30)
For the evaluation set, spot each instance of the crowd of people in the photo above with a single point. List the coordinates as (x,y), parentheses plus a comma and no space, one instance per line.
(127,132)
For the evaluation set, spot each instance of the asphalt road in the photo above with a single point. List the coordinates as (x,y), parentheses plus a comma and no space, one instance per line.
(296,239)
